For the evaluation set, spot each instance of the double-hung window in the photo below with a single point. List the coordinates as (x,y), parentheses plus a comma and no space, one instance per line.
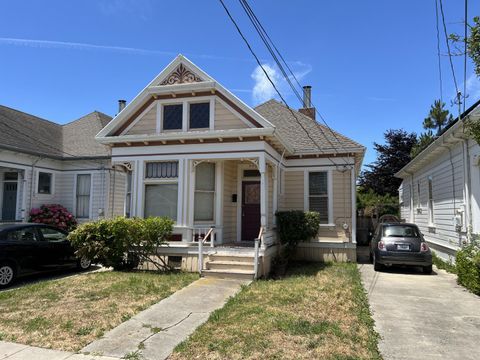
(83,196)
(430,200)
(204,192)
(161,189)
(44,183)
(318,194)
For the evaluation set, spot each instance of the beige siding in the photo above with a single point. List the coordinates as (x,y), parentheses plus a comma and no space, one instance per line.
(146,125)
(116,194)
(225,119)
(229,207)
(293,198)
(270,197)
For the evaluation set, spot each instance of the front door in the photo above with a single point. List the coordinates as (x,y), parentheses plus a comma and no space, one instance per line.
(250,210)
(9,203)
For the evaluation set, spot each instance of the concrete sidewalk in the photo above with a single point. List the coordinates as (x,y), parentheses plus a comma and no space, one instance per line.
(12,351)
(154,333)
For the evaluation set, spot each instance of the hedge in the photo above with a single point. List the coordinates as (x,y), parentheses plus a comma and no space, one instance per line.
(467,265)
(122,243)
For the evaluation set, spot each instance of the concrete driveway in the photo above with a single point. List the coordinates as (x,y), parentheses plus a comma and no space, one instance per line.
(422,316)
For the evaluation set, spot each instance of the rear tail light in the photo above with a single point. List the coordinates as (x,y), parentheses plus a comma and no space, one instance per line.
(423,247)
(381,245)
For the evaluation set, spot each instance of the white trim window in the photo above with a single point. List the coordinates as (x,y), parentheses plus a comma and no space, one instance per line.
(84,185)
(161,189)
(431,201)
(199,115)
(44,183)
(417,198)
(318,194)
(172,117)
(204,201)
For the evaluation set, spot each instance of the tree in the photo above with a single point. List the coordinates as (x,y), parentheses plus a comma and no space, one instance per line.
(438,117)
(391,157)
(423,141)
(473,43)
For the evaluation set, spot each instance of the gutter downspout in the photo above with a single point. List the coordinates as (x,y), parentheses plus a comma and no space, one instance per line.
(32,180)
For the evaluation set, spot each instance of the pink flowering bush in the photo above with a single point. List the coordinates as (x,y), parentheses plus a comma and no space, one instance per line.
(55,215)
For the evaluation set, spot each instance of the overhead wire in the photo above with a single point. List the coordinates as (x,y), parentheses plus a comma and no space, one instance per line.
(270,44)
(272,83)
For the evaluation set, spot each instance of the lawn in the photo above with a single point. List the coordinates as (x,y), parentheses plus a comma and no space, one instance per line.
(69,313)
(316,312)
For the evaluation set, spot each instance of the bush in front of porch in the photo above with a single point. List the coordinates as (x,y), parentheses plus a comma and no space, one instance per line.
(122,243)
(55,215)
(294,226)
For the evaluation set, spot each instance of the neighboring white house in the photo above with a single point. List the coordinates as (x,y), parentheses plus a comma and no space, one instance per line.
(42,162)
(440,191)
(201,156)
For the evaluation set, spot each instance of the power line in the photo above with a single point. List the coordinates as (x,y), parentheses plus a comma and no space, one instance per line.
(438,52)
(269,44)
(450,58)
(267,75)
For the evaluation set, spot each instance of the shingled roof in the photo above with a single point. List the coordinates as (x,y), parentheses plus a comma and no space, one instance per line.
(287,125)
(30,134)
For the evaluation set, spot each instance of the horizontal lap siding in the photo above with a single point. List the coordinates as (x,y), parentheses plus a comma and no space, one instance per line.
(294,195)
(146,125)
(448,186)
(229,207)
(225,119)
(270,197)
(116,193)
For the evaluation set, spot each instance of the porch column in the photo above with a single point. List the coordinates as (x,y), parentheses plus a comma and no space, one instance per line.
(23,209)
(190,195)
(219,175)
(275,193)
(353,229)
(262,166)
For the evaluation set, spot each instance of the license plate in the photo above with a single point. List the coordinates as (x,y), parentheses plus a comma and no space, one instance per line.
(403,247)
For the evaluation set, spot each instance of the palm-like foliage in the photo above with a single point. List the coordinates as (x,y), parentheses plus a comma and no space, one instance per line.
(438,117)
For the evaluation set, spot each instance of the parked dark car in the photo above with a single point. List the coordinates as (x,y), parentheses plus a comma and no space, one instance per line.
(399,244)
(33,248)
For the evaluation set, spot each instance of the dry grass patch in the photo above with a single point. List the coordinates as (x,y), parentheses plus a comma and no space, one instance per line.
(69,313)
(318,312)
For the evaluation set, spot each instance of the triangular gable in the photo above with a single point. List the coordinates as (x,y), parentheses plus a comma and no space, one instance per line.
(179,72)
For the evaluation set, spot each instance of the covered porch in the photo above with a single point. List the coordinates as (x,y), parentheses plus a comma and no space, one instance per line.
(12,193)
(232,194)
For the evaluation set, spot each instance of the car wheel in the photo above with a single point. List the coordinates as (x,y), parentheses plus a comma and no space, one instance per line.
(7,275)
(376,265)
(84,263)
(427,269)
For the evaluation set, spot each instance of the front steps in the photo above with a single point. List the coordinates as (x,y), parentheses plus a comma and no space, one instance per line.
(228,265)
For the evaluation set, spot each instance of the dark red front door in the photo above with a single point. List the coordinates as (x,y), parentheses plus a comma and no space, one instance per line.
(250,209)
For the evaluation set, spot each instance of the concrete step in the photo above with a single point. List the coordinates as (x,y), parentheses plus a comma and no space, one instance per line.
(229,274)
(229,265)
(232,257)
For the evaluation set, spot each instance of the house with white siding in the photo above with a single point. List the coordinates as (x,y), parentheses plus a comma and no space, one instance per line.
(440,191)
(42,162)
(222,169)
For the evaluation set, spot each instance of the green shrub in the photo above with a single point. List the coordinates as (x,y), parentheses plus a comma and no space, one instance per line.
(122,243)
(468,267)
(295,226)
(442,264)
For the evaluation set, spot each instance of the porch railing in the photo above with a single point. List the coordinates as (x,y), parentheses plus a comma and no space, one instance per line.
(201,240)
(258,243)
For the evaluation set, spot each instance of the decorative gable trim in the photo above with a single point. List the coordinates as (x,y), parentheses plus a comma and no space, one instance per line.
(181,75)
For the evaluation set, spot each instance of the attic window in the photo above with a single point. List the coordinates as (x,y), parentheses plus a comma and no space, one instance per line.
(199,115)
(172,117)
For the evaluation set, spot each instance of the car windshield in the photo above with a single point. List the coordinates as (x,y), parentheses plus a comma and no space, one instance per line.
(400,231)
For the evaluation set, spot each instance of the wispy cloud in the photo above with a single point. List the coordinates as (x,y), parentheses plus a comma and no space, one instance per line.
(263,89)
(473,87)
(68,45)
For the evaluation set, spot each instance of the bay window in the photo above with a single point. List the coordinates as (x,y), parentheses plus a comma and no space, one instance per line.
(161,189)
(204,192)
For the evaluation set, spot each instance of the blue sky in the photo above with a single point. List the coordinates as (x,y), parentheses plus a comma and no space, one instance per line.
(372,64)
